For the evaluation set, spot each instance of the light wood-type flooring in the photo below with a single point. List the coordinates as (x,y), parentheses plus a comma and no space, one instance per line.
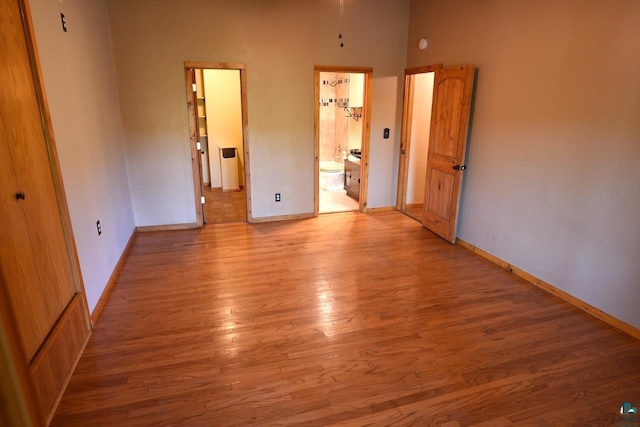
(346,319)
(415,211)
(222,207)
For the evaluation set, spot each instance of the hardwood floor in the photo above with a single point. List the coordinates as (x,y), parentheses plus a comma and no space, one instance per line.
(224,206)
(344,319)
(415,211)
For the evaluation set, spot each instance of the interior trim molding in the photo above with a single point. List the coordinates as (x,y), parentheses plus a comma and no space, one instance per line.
(282,218)
(97,310)
(168,227)
(343,69)
(380,209)
(596,312)
(215,65)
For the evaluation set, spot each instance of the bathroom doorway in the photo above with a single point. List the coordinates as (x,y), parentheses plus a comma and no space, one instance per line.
(220,154)
(341,137)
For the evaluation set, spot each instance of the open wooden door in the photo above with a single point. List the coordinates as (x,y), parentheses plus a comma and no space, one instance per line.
(452,92)
(44,305)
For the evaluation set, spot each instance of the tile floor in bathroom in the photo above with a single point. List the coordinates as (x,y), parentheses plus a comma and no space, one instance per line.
(336,201)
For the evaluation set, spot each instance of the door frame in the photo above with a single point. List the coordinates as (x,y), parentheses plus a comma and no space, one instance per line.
(405,133)
(366,131)
(193,132)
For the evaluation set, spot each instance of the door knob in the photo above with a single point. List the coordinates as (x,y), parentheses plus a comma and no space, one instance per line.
(20,196)
(459,167)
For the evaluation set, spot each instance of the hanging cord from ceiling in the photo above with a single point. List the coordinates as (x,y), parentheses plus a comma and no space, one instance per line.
(341,21)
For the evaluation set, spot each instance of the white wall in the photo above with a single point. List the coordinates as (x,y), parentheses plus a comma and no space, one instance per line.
(280,41)
(356,90)
(83,99)
(224,119)
(356,99)
(419,137)
(554,155)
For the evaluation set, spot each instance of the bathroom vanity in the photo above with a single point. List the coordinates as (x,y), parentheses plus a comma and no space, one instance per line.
(352,178)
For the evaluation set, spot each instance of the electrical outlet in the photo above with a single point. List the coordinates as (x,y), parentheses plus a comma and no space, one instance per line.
(278,198)
(99,227)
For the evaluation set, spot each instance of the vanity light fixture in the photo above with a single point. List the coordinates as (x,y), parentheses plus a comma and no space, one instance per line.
(354,112)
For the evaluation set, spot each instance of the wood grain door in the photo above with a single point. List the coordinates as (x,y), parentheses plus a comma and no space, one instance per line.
(38,262)
(451,106)
(42,280)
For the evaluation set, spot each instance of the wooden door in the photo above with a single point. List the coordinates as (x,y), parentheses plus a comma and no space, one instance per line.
(452,92)
(38,263)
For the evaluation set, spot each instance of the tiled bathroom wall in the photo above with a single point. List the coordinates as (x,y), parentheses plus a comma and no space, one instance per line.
(334,125)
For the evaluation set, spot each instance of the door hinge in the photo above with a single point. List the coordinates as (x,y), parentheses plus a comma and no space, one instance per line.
(202,200)
(194,87)
(198,146)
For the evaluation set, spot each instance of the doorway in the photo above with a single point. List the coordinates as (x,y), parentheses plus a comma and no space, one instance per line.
(220,152)
(341,138)
(414,149)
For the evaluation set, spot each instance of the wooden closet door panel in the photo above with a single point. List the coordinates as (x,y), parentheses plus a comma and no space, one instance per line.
(452,90)
(16,255)
(35,257)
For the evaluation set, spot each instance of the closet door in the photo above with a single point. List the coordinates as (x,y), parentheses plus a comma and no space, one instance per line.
(452,90)
(38,262)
